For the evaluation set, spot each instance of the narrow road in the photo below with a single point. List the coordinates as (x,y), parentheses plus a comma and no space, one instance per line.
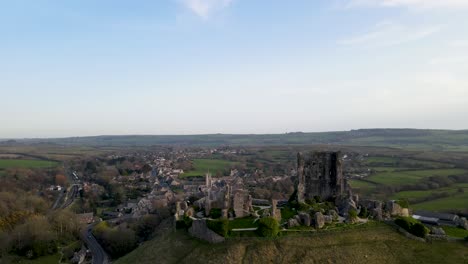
(99,255)
(59,199)
(72,194)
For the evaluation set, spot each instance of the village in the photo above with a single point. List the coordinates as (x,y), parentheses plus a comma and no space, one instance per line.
(214,208)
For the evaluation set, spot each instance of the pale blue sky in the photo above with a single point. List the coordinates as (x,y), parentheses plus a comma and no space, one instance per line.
(76,68)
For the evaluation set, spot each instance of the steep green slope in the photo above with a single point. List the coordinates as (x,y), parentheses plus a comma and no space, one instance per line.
(378,244)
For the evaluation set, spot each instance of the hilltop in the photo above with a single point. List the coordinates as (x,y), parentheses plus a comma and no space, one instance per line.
(399,138)
(378,243)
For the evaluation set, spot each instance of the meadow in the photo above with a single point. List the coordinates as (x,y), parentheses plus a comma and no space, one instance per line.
(458,201)
(410,176)
(214,166)
(455,231)
(413,170)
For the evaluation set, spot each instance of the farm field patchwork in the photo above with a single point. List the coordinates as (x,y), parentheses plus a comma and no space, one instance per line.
(23,163)
(400,163)
(203,166)
(411,176)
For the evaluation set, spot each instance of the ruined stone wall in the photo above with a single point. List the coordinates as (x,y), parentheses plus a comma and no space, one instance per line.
(320,174)
(200,230)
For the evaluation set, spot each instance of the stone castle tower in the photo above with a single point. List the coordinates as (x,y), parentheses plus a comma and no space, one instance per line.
(320,174)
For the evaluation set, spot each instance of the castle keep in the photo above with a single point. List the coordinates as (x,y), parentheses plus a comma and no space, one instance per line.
(320,174)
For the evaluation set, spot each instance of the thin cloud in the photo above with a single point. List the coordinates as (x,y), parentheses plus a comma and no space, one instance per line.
(418,4)
(449,60)
(390,34)
(205,8)
(461,43)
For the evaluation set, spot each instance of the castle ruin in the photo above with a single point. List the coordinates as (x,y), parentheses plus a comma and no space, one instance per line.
(320,174)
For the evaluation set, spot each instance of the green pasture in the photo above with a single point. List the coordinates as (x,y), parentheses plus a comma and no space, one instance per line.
(400,163)
(455,231)
(361,184)
(427,193)
(459,201)
(410,176)
(213,166)
(246,222)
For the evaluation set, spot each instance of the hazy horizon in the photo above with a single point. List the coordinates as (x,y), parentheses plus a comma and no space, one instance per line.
(189,67)
(239,134)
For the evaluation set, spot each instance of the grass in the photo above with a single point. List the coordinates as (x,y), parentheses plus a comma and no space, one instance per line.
(23,163)
(372,244)
(427,193)
(246,222)
(411,176)
(386,160)
(287,213)
(50,259)
(385,169)
(361,184)
(455,231)
(458,201)
(213,166)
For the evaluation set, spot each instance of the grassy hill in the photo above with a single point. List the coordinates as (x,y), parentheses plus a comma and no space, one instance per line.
(401,138)
(375,244)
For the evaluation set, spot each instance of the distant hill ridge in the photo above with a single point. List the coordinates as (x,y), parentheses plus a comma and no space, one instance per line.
(451,139)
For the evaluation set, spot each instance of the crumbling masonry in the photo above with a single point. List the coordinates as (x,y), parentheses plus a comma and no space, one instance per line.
(320,174)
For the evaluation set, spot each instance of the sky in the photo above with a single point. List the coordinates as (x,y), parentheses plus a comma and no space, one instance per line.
(113,67)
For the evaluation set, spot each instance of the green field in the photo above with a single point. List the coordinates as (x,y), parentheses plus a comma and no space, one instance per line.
(373,244)
(23,163)
(455,231)
(410,176)
(361,184)
(214,166)
(246,222)
(386,169)
(427,193)
(459,201)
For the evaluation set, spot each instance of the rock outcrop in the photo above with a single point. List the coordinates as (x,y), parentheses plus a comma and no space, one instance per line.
(319,220)
(292,223)
(305,219)
(394,209)
(462,222)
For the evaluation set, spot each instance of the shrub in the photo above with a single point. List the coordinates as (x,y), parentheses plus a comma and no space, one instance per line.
(303,207)
(403,203)
(352,214)
(221,227)
(403,223)
(215,213)
(184,223)
(268,227)
(419,230)
(317,199)
(363,213)
(413,226)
